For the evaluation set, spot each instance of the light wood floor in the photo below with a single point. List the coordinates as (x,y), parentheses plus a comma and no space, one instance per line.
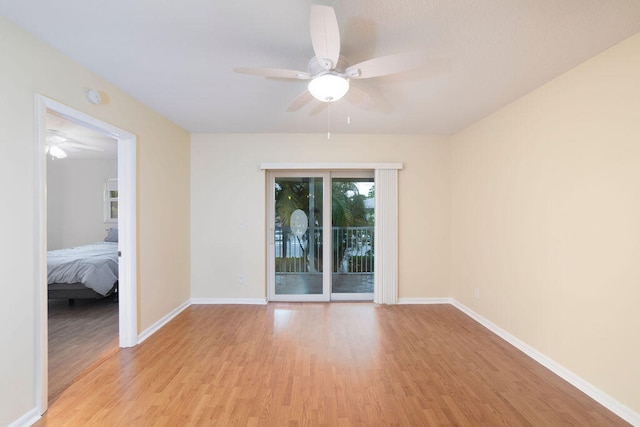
(338,364)
(80,336)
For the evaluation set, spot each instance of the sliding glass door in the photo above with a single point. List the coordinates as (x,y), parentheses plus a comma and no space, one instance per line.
(297,242)
(352,220)
(320,236)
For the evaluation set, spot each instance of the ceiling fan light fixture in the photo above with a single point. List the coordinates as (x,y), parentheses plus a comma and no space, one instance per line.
(328,87)
(57,152)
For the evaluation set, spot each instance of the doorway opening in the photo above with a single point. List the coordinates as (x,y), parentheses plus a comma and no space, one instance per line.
(126,228)
(322,236)
(82,250)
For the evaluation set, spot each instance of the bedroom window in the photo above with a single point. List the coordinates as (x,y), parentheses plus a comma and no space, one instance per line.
(111,200)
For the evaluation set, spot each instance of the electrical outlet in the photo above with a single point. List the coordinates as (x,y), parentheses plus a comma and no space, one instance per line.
(240,278)
(476,293)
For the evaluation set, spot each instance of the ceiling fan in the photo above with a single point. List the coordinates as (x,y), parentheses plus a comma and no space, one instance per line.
(329,72)
(58,143)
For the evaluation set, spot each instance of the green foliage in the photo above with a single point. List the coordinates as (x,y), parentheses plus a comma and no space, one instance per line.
(347,204)
(347,207)
(291,195)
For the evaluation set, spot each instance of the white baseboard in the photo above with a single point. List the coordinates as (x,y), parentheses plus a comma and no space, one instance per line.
(160,323)
(27,419)
(425,300)
(248,301)
(589,389)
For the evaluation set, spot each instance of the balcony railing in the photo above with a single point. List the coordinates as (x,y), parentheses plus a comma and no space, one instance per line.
(352,250)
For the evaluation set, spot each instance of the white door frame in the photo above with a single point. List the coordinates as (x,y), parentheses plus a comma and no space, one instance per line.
(127,288)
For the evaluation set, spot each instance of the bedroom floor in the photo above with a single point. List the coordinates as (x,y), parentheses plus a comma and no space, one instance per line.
(81,336)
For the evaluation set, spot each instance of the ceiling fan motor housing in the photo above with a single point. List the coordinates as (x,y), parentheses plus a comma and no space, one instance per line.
(316,69)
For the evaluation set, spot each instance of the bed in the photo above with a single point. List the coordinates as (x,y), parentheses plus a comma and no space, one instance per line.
(88,271)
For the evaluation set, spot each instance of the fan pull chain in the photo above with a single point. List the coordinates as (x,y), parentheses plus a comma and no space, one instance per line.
(328,120)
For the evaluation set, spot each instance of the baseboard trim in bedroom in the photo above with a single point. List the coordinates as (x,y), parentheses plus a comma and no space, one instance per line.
(27,419)
(247,301)
(160,323)
(587,388)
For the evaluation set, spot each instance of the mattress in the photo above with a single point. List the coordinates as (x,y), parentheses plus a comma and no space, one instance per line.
(94,265)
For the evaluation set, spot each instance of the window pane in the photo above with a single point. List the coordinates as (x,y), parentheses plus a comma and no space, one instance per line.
(114,210)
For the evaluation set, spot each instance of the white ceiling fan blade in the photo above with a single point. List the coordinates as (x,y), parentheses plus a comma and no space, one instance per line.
(386,65)
(68,148)
(278,73)
(301,100)
(368,97)
(359,97)
(325,35)
(319,108)
(87,136)
(80,145)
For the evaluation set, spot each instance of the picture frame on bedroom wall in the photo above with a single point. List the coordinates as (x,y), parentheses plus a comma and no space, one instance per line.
(111,201)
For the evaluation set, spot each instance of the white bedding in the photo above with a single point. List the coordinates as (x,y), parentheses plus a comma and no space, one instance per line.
(94,265)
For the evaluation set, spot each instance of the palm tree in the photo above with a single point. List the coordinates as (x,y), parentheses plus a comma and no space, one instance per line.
(340,203)
(348,210)
(289,197)
(347,207)
(293,194)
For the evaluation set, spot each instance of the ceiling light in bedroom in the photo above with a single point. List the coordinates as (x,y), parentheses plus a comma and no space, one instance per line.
(328,87)
(57,152)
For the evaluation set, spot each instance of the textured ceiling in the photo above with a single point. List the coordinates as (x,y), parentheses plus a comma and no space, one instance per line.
(177,57)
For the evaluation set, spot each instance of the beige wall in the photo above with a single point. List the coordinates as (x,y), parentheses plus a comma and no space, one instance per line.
(29,67)
(546,220)
(228,187)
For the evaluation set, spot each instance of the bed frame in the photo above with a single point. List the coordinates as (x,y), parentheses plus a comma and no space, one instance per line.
(74,291)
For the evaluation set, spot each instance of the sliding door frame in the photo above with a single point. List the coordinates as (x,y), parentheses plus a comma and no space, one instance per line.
(386,226)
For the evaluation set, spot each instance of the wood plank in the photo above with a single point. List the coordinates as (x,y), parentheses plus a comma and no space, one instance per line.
(80,336)
(324,364)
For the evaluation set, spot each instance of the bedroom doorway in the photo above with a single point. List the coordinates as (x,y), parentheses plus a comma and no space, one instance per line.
(65,133)
(82,250)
